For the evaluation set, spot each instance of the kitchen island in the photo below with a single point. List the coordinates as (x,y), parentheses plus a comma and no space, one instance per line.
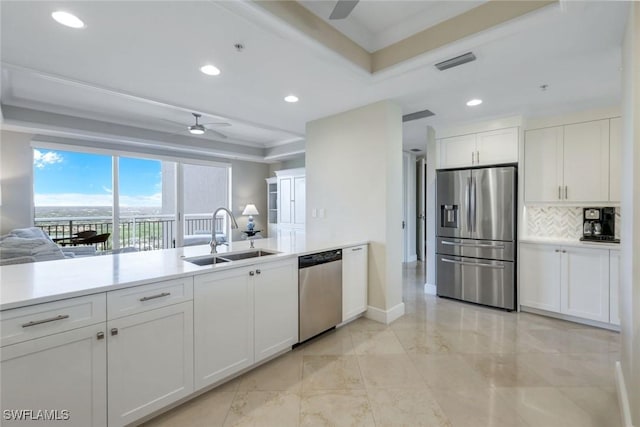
(115,339)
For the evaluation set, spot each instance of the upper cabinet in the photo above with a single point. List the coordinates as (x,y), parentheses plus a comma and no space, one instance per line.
(291,199)
(478,149)
(569,164)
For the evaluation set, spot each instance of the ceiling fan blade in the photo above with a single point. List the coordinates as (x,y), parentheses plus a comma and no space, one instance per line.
(175,123)
(220,134)
(343,9)
(217,124)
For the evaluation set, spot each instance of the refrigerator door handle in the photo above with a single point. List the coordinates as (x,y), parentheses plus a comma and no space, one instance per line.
(467,195)
(473,245)
(473,264)
(472,198)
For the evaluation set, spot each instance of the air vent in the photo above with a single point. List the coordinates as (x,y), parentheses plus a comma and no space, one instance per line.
(416,150)
(417,115)
(454,62)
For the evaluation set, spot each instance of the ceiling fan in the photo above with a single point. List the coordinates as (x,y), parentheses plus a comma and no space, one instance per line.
(200,128)
(343,8)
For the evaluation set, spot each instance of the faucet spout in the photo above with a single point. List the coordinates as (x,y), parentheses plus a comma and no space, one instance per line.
(234,224)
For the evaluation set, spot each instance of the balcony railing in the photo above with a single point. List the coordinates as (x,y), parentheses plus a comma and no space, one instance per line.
(143,232)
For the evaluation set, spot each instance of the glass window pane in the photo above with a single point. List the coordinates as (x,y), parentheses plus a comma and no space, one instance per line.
(147,218)
(206,188)
(72,194)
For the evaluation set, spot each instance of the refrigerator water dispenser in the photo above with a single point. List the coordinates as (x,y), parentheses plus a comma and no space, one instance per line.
(449,216)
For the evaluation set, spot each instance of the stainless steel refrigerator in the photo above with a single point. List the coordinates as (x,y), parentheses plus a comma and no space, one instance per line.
(476,235)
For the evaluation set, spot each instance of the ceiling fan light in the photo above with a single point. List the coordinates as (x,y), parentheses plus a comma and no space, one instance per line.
(196,129)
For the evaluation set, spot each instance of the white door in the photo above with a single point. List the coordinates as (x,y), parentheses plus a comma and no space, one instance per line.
(299,201)
(543,165)
(354,281)
(585,283)
(586,162)
(614,287)
(497,146)
(64,372)
(615,159)
(276,307)
(150,361)
(223,324)
(540,276)
(456,152)
(285,201)
(421,167)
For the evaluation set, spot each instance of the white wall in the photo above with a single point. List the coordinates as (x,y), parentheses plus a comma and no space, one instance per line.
(354,173)
(16,178)
(630,206)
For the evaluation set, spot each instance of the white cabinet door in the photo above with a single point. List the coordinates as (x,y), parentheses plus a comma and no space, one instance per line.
(276,307)
(150,361)
(354,281)
(586,162)
(64,371)
(497,146)
(458,151)
(539,276)
(614,287)
(585,283)
(223,324)
(615,159)
(543,165)
(299,191)
(285,200)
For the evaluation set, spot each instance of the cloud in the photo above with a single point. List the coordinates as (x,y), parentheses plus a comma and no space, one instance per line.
(78,199)
(40,159)
(107,190)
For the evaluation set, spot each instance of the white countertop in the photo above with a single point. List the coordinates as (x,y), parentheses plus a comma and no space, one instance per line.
(39,282)
(568,242)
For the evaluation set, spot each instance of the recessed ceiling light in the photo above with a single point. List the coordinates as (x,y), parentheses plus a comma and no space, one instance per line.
(474,102)
(67,19)
(291,98)
(210,70)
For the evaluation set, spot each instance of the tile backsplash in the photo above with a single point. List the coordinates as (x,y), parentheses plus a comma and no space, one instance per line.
(559,222)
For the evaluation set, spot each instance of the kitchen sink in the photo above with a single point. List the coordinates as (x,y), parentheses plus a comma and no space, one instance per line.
(214,259)
(244,255)
(206,260)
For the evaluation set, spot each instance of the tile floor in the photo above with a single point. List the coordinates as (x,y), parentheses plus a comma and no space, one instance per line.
(444,363)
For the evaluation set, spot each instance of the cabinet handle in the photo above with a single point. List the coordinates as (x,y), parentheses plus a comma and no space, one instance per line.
(477,157)
(251,273)
(114,331)
(39,322)
(566,192)
(164,294)
(356,249)
(473,158)
(559,192)
(557,250)
(564,251)
(258,271)
(100,335)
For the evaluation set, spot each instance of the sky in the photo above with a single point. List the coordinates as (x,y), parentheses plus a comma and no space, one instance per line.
(64,178)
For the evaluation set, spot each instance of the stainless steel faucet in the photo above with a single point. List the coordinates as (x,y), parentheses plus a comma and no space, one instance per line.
(234,224)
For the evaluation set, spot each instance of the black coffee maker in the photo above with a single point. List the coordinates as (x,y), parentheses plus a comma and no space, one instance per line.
(599,225)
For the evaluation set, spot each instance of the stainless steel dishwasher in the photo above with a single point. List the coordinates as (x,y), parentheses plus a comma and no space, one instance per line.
(320,293)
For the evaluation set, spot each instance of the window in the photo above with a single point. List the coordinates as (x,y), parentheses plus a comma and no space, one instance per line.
(132,199)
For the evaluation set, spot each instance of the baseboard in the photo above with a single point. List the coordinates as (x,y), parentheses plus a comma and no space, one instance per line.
(412,258)
(383,316)
(430,289)
(574,319)
(623,397)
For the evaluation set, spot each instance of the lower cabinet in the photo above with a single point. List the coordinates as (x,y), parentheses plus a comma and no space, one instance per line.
(64,374)
(243,316)
(150,361)
(614,288)
(354,281)
(223,324)
(568,280)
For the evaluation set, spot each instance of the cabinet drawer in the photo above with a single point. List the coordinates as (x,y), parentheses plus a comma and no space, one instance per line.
(26,323)
(137,299)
